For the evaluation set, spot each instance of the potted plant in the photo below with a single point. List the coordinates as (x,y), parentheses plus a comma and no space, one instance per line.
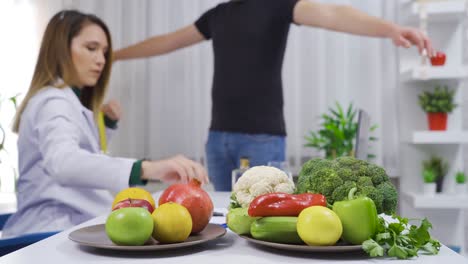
(429,177)
(460,179)
(437,105)
(439,167)
(338,133)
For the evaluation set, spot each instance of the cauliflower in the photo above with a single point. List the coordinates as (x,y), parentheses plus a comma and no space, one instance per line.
(257,181)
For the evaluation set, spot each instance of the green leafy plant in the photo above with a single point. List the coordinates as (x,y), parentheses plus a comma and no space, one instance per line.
(439,101)
(429,176)
(460,177)
(439,167)
(339,129)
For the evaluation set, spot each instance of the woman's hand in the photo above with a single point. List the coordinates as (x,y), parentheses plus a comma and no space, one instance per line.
(407,36)
(177,168)
(112,110)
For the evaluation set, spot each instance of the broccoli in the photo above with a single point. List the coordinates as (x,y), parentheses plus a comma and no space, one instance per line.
(341,192)
(327,180)
(390,196)
(365,181)
(347,174)
(311,166)
(334,179)
(374,194)
(377,174)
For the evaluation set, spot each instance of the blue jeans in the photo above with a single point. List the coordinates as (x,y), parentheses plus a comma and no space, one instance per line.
(224,150)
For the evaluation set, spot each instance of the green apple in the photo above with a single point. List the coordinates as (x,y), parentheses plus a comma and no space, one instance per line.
(239,221)
(130,226)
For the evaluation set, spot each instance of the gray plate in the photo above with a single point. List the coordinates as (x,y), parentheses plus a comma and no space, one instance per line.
(305,248)
(95,236)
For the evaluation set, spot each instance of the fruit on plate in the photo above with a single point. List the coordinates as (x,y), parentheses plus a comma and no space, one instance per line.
(134,203)
(278,229)
(319,226)
(130,226)
(192,197)
(172,223)
(239,221)
(134,197)
(438,59)
(358,217)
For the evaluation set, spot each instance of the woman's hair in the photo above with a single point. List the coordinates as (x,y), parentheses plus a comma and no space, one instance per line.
(55,66)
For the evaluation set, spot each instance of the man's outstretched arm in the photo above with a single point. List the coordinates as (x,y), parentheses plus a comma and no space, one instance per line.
(161,44)
(350,20)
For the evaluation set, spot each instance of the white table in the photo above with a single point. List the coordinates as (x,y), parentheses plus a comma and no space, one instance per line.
(228,249)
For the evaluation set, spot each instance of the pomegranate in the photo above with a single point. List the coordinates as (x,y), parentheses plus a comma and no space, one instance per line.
(192,197)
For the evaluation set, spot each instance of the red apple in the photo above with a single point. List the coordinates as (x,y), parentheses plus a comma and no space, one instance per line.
(438,59)
(192,197)
(134,203)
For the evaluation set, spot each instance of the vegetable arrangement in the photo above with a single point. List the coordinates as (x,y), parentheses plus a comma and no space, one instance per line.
(401,240)
(358,216)
(283,204)
(356,189)
(257,181)
(335,178)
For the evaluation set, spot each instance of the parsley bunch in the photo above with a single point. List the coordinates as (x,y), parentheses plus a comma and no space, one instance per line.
(401,240)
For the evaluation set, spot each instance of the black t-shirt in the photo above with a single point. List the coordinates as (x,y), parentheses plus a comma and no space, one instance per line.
(249,39)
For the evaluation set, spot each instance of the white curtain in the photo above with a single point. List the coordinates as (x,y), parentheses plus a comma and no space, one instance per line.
(166,100)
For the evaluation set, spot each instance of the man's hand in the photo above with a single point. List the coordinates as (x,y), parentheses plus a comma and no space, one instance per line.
(406,37)
(112,110)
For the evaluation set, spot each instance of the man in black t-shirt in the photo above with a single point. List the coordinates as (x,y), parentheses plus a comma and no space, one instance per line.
(249,39)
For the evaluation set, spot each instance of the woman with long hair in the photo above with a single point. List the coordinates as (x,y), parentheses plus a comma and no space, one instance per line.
(65,177)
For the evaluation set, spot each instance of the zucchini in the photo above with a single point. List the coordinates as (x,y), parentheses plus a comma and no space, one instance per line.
(278,229)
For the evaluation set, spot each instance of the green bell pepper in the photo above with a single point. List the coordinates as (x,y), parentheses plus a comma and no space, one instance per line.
(358,217)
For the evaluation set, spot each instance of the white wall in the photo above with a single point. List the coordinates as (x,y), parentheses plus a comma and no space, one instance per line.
(166,100)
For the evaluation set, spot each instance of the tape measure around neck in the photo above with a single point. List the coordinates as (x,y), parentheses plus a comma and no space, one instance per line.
(102,132)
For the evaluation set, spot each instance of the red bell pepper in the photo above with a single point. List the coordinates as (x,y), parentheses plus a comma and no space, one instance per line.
(284,204)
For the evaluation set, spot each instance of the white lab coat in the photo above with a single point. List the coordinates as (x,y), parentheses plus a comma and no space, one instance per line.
(64,179)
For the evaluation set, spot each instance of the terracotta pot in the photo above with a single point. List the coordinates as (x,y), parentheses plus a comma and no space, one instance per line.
(437,121)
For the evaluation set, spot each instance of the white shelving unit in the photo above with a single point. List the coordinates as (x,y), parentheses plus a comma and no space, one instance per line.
(434,73)
(436,137)
(438,10)
(444,21)
(438,201)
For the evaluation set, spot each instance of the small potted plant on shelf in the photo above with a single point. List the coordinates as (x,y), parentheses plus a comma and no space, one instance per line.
(429,177)
(439,167)
(460,187)
(437,105)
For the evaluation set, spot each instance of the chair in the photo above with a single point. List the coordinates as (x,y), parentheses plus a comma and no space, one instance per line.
(9,245)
